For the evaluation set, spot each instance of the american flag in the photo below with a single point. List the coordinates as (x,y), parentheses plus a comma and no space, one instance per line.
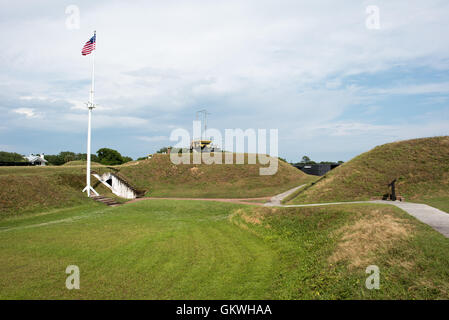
(89,46)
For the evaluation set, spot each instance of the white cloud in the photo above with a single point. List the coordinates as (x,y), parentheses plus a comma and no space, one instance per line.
(426,88)
(154,138)
(79,121)
(262,64)
(369,110)
(333,84)
(77,105)
(27,112)
(352,128)
(28,98)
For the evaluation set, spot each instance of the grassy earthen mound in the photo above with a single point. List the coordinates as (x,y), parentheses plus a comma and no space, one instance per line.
(37,189)
(160,177)
(81,163)
(421,167)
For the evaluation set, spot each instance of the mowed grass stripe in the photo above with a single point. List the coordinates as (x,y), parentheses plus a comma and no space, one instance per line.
(152,250)
(163,249)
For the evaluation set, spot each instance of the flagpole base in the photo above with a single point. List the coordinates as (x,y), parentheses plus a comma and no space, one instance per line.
(86,188)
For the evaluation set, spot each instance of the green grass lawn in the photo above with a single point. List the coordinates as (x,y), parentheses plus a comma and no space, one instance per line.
(167,249)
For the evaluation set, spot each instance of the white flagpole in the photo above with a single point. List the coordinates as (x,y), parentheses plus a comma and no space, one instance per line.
(90,106)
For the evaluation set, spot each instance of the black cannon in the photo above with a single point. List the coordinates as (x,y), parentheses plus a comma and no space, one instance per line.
(393,190)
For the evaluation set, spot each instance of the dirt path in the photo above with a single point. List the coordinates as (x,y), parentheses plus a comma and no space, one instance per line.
(260,201)
(254,201)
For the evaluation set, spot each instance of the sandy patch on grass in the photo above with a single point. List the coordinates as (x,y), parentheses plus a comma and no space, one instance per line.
(252,218)
(369,235)
(443,288)
(194,171)
(324,182)
(445,140)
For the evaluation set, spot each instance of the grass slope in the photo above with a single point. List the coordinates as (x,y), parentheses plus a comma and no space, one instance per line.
(159,249)
(420,165)
(324,252)
(160,177)
(33,189)
(81,163)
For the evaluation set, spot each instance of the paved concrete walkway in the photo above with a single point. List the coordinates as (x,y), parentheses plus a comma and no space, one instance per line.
(277,199)
(435,218)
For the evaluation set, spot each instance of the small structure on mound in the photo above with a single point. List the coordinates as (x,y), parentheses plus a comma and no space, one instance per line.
(37,160)
(202,145)
(318,169)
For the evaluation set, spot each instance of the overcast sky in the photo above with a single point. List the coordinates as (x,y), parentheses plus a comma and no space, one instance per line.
(311,69)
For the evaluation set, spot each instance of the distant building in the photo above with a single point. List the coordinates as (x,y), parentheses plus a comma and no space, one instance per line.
(318,169)
(36,160)
(201,145)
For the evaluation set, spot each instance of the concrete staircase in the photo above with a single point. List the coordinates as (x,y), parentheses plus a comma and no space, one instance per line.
(139,192)
(119,185)
(107,201)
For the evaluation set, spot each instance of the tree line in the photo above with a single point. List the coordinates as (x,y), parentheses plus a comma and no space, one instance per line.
(305,160)
(104,156)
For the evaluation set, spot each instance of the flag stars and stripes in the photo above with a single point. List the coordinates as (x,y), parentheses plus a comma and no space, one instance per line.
(89,46)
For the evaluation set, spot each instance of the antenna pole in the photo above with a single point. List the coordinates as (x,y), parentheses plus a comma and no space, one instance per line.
(205,123)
